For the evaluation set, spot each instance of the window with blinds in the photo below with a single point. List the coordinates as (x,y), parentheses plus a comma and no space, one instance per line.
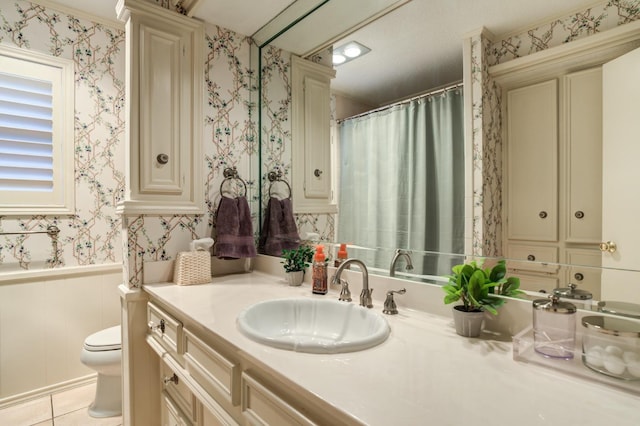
(36,133)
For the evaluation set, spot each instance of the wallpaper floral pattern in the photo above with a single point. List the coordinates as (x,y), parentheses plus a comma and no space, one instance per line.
(92,234)
(96,234)
(229,141)
(276,139)
(486,119)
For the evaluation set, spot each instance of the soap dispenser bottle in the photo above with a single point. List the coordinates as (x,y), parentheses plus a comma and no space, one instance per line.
(319,276)
(341,256)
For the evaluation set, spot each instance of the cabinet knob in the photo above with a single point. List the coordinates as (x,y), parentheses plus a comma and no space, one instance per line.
(162,158)
(173,379)
(578,276)
(579,214)
(154,327)
(317,173)
(542,214)
(609,246)
(531,257)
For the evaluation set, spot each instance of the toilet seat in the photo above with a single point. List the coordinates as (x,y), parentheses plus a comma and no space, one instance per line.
(105,340)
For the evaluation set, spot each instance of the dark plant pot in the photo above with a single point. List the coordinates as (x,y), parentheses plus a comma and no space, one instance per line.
(468,324)
(295,278)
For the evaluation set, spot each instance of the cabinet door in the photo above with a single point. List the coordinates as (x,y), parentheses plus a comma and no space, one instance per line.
(583,106)
(171,414)
(532,282)
(532,162)
(311,134)
(585,271)
(164,110)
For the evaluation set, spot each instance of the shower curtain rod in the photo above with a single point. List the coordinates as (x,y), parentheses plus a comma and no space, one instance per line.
(407,100)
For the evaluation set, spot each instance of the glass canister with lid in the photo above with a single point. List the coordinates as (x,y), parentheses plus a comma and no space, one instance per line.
(611,346)
(554,327)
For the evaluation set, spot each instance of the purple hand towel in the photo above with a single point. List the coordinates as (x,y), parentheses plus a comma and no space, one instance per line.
(279,230)
(234,229)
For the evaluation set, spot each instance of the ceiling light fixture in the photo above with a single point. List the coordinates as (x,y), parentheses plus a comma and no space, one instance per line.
(338,59)
(348,52)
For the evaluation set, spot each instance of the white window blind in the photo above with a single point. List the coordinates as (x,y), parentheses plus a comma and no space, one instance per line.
(26,133)
(36,133)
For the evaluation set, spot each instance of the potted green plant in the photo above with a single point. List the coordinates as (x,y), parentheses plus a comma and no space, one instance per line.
(478,289)
(295,262)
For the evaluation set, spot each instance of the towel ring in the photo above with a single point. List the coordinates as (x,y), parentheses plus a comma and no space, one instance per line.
(277,177)
(231,173)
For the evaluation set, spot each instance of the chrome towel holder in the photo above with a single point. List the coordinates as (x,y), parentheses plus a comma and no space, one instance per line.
(230,174)
(276,176)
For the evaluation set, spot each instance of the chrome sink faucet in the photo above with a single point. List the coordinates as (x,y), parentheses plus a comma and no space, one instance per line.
(400,253)
(365,295)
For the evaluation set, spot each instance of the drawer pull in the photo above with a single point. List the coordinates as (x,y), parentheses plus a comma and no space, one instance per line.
(531,257)
(542,214)
(579,214)
(173,379)
(153,327)
(578,276)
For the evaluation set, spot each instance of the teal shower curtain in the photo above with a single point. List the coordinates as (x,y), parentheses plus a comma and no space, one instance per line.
(402,179)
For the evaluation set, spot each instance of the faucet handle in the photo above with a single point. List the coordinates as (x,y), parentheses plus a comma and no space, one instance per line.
(390,307)
(365,298)
(345,293)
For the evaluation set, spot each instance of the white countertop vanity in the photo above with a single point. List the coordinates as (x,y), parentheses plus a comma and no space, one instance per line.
(424,373)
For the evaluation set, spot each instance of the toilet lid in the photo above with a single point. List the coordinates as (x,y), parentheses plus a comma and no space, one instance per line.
(105,340)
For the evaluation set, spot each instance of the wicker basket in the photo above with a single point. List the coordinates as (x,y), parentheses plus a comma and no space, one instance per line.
(192,267)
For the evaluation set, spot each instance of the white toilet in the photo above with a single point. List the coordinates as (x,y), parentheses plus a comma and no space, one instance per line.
(102,352)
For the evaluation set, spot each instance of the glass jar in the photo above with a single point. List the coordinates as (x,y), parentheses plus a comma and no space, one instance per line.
(611,346)
(554,328)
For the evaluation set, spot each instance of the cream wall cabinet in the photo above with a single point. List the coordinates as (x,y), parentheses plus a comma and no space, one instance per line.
(311,134)
(553,178)
(164,92)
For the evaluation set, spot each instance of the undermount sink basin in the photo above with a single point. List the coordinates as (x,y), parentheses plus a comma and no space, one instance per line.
(312,325)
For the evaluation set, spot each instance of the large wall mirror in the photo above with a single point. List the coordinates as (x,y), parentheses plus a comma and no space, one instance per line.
(368,89)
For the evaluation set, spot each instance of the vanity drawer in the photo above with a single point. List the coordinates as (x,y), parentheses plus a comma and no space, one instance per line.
(260,406)
(164,329)
(533,258)
(177,389)
(217,374)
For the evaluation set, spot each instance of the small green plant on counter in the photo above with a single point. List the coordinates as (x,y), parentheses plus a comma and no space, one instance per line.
(297,259)
(478,288)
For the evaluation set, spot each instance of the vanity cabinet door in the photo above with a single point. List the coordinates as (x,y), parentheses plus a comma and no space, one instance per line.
(583,165)
(170,413)
(261,406)
(532,162)
(176,388)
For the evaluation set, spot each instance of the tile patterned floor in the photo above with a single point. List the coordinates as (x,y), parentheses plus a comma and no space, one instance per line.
(68,408)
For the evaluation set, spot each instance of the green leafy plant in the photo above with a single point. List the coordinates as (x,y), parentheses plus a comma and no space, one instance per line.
(297,259)
(479,288)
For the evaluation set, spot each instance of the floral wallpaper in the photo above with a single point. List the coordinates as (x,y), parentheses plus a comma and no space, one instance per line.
(95,234)
(91,235)
(276,136)
(486,119)
(229,141)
